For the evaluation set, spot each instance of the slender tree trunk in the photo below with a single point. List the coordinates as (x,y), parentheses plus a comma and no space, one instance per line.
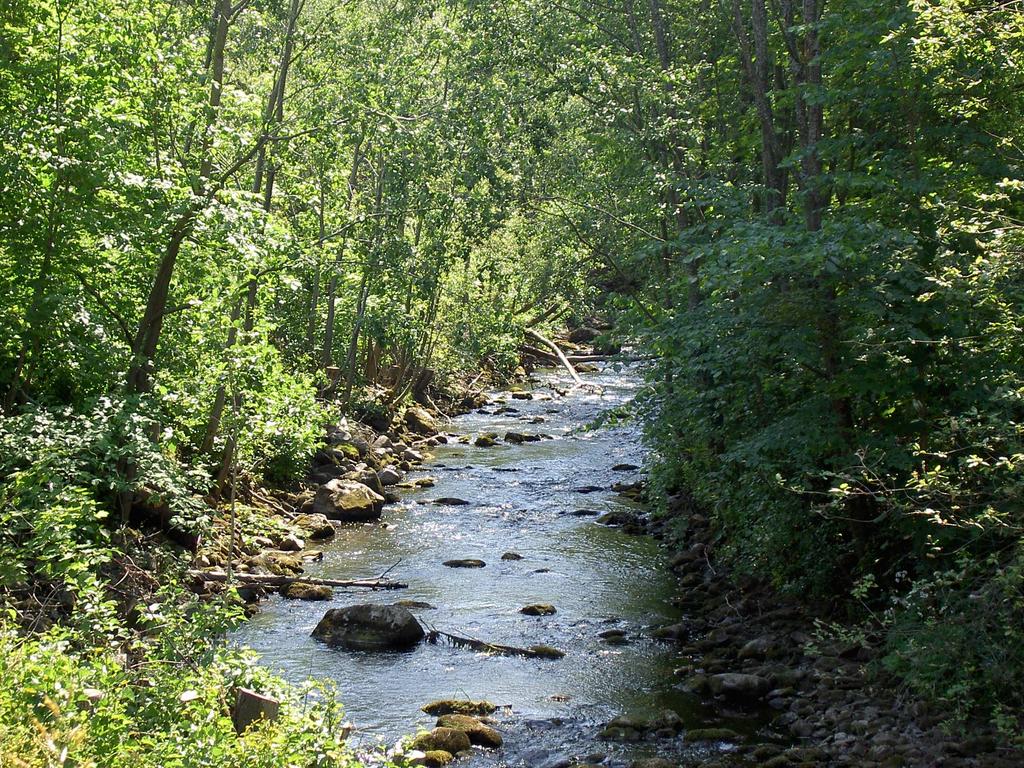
(327,352)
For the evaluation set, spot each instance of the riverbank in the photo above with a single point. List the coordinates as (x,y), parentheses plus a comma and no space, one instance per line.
(745,646)
(749,679)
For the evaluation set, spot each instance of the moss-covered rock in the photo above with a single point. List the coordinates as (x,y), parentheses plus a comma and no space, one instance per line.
(538,609)
(479,734)
(435,758)
(459,707)
(546,652)
(303,591)
(442,739)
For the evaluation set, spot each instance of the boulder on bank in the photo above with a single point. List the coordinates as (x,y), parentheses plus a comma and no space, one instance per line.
(390,476)
(369,627)
(420,420)
(347,501)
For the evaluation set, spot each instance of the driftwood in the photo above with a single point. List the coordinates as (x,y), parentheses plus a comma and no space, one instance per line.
(533,652)
(268,580)
(543,353)
(558,352)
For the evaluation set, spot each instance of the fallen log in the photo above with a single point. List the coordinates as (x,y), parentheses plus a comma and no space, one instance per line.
(544,354)
(561,355)
(533,652)
(269,580)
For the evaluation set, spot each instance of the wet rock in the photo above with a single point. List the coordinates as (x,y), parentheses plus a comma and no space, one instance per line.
(511,556)
(538,609)
(667,723)
(442,739)
(625,468)
(304,591)
(712,734)
(459,707)
(516,438)
(624,728)
(412,456)
(585,335)
(559,761)
(589,489)
(485,441)
(613,637)
(478,733)
(680,632)
(584,513)
(451,501)
(522,396)
(698,683)
(420,420)
(369,627)
(620,518)
(432,759)
(465,563)
(347,501)
(389,476)
(546,652)
(419,604)
(653,762)
(739,686)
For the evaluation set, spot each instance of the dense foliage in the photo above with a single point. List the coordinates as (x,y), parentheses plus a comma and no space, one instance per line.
(220,222)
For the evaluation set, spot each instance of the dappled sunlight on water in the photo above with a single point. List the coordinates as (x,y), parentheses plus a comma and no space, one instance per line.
(597,577)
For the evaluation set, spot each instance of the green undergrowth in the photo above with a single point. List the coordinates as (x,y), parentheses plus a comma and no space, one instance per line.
(155,695)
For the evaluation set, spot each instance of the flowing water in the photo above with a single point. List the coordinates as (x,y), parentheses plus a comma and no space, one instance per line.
(522,499)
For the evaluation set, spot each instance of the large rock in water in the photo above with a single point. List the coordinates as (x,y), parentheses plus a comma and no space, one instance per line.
(369,627)
(347,501)
(420,420)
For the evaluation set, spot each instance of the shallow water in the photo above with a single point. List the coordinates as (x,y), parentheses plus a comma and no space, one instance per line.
(521,499)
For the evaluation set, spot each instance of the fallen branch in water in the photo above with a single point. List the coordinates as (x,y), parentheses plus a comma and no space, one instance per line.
(269,580)
(561,357)
(533,652)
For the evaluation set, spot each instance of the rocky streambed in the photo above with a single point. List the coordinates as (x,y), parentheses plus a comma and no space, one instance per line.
(497,536)
(542,597)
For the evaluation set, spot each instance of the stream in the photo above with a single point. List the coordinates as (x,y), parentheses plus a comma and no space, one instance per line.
(522,498)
